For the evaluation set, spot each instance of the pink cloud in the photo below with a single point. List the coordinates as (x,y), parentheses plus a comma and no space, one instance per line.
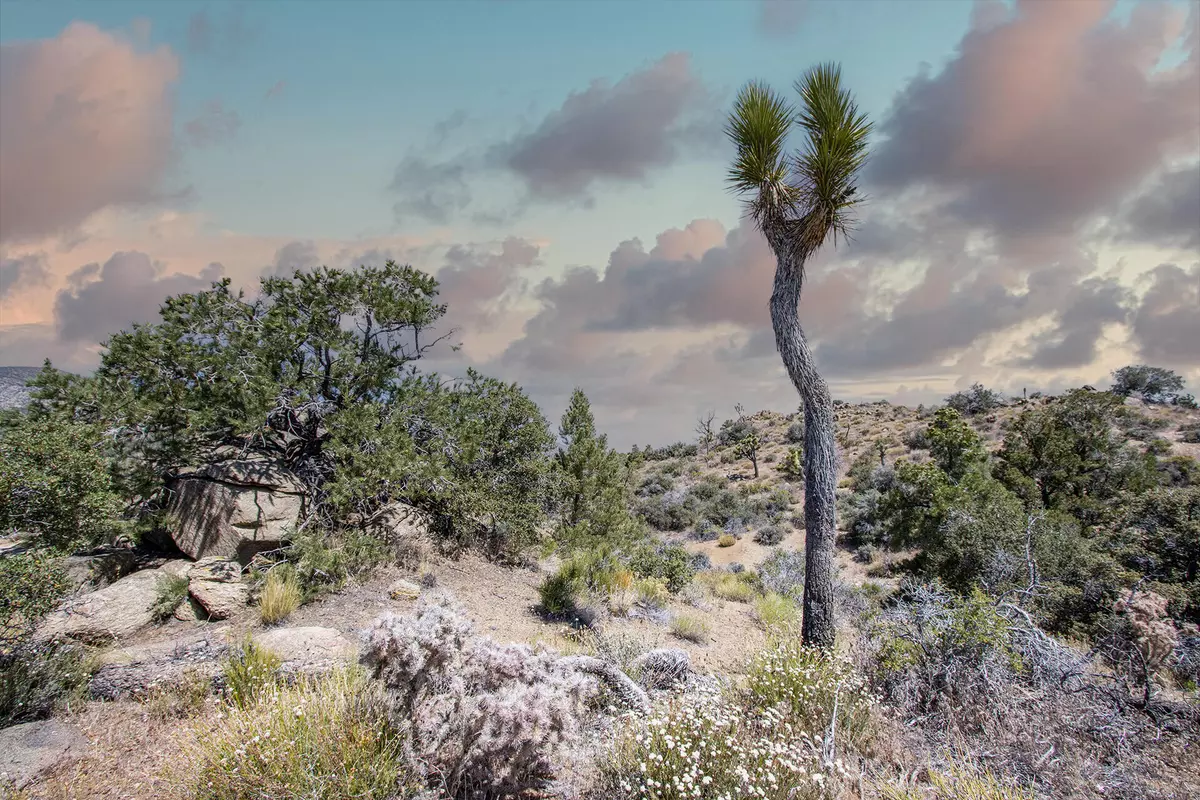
(85,123)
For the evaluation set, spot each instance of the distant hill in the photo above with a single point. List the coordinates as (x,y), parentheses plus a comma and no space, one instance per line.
(13,391)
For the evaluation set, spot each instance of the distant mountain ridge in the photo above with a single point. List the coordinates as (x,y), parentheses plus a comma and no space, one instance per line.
(13,391)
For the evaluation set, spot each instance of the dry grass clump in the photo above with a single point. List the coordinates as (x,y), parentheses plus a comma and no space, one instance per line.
(690,628)
(325,738)
(738,587)
(281,595)
(775,611)
(726,540)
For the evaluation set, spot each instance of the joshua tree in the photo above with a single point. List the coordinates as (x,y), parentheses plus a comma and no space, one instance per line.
(798,201)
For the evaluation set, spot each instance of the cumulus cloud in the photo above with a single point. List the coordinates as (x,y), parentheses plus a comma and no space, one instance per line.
(100,300)
(1046,115)
(1167,213)
(430,190)
(1079,325)
(214,125)
(609,132)
(1166,323)
(294,256)
(22,272)
(85,123)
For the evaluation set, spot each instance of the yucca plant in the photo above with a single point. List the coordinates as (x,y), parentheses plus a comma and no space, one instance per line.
(798,201)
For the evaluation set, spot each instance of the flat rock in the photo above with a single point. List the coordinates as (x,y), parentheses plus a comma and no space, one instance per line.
(215,568)
(131,671)
(108,615)
(28,750)
(177,567)
(308,649)
(219,599)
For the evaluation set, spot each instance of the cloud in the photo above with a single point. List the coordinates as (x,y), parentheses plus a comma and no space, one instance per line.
(102,300)
(1167,213)
(1046,116)
(1166,325)
(474,281)
(221,38)
(294,256)
(1079,326)
(780,17)
(433,191)
(22,272)
(85,123)
(609,132)
(275,90)
(214,125)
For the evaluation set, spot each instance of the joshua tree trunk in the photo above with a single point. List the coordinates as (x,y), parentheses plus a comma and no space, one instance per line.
(820,456)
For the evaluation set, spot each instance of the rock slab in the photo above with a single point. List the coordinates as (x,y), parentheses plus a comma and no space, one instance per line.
(28,750)
(109,615)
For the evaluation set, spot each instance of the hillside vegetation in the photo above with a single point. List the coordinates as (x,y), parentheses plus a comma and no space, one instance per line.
(431,593)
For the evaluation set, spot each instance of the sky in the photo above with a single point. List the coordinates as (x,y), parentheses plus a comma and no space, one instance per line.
(1033,187)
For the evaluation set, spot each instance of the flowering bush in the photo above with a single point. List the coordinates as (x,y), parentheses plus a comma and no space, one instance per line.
(709,748)
(811,686)
(485,719)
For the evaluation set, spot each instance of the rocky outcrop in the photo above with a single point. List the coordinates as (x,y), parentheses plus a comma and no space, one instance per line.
(216,585)
(99,569)
(132,671)
(109,615)
(28,750)
(234,509)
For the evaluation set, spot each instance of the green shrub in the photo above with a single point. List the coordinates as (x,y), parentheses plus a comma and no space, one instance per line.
(795,433)
(324,562)
(958,783)
(738,587)
(726,540)
(325,738)
(31,585)
(770,535)
(55,483)
(670,562)
(248,671)
(169,592)
(587,572)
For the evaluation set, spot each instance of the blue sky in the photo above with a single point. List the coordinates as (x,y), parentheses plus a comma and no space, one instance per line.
(252,135)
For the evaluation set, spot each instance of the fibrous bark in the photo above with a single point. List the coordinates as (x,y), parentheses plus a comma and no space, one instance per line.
(820,454)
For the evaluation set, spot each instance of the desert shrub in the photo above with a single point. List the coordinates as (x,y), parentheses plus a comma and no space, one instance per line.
(180,699)
(657,483)
(31,585)
(726,540)
(1178,471)
(934,653)
(976,400)
(795,433)
(248,671)
(484,720)
(774,610)
(954,445)
(325,561)
(811,686)
(587,572)
(770,535)
(324,738)
(169,592)
(673,510)
(706,489)
(1152,384)
(281,595)
(651,592)
(711,748)
(690,627)
(734,431)
(1190,433)
(669,562)
(676,450)
(792,465)
(783,573)
(37,679)
(55,483)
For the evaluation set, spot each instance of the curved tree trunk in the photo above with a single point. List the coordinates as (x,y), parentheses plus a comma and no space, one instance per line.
(820,454)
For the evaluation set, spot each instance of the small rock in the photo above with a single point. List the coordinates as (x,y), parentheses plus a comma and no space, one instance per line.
(219,599)
(28,750)
(190,611)
(404,590)
(215,568)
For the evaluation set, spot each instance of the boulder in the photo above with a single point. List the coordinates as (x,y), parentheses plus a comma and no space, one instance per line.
(404,590)
(234,509)
(99,569)
(219,599)
(107,615)
(28,750)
